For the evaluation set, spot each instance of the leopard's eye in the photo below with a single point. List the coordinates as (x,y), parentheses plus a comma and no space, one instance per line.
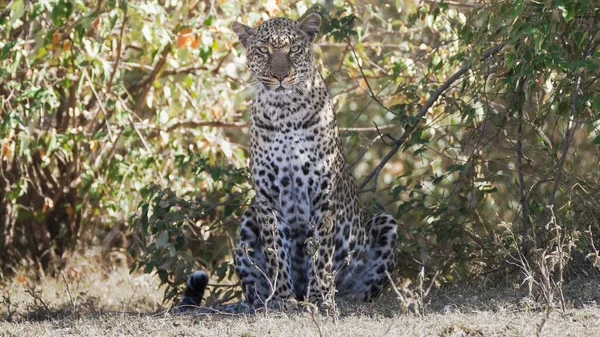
(295,49)
(263,50)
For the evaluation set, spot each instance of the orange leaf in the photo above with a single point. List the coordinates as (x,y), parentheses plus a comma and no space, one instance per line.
(21,279)
(66,45)
(55,39)
(96,22)
(197,40)
(216,112)
(185,38)
(5,150)
(70,211)
(362,86)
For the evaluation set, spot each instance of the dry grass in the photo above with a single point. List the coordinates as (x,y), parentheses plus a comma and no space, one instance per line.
(92,301)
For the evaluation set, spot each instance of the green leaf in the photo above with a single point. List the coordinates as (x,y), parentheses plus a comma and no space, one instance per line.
(568,11)
(596,140)
(443,5)
(18,9)
(420,150)
(231,207)
(517,8)
(149,267)
(490,190)
(215,173)
(162,240)
(5,52)
(144,218)
(596,104)
(37,9)
(51,144)
(529,29)
(205,53)
(456,167)
(61,12)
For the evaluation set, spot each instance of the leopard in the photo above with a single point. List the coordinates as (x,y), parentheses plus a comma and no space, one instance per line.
(303,239)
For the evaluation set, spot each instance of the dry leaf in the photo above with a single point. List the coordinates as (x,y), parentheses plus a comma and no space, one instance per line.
(186,38)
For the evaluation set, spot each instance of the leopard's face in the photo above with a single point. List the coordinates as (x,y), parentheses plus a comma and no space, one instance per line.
(279,51)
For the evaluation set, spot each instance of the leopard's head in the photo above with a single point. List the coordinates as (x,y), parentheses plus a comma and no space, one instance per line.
(279,51)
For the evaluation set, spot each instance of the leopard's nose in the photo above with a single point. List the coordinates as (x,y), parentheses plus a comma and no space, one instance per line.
(280,76)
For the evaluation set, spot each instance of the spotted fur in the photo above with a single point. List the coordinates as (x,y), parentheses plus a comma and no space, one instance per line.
(304,234)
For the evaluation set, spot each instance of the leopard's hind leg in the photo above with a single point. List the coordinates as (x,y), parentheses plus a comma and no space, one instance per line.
(366,277)
(380,258)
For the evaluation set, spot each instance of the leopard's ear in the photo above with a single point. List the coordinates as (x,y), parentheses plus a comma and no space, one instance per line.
(243,32)
(310,25)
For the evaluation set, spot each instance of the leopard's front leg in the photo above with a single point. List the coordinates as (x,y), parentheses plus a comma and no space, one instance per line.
(320,248)
(276,248)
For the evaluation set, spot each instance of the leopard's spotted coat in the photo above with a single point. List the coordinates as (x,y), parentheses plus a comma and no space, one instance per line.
(304,230)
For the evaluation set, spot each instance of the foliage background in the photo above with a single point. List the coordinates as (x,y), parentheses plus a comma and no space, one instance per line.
(124,124)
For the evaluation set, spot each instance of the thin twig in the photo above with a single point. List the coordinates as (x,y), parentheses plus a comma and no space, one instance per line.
(364,150)
(431,283)
(69,293)
(373,129)
(371,93)
(112,73)
(313,310)
(143,140)
(37,297)
(109,132)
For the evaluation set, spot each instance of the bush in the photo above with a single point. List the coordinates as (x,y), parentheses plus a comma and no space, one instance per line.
(471,122)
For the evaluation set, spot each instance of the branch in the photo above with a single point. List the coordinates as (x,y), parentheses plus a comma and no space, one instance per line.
(6,10)
(110,135)
(454,3)
(183,70)
(215,124)
(242,125)
(563,156)
(373,129)
(92,102)
(436,94)
(119,48)
(152,76)
(146,84)
(587,52)
(524,203)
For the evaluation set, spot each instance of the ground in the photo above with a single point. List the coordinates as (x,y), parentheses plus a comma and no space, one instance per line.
(88,300)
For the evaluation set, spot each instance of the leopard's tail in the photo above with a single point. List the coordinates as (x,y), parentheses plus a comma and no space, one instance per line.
(194,290)
(193,294)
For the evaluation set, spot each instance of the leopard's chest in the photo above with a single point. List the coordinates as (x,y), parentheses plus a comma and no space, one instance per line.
(293,164)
